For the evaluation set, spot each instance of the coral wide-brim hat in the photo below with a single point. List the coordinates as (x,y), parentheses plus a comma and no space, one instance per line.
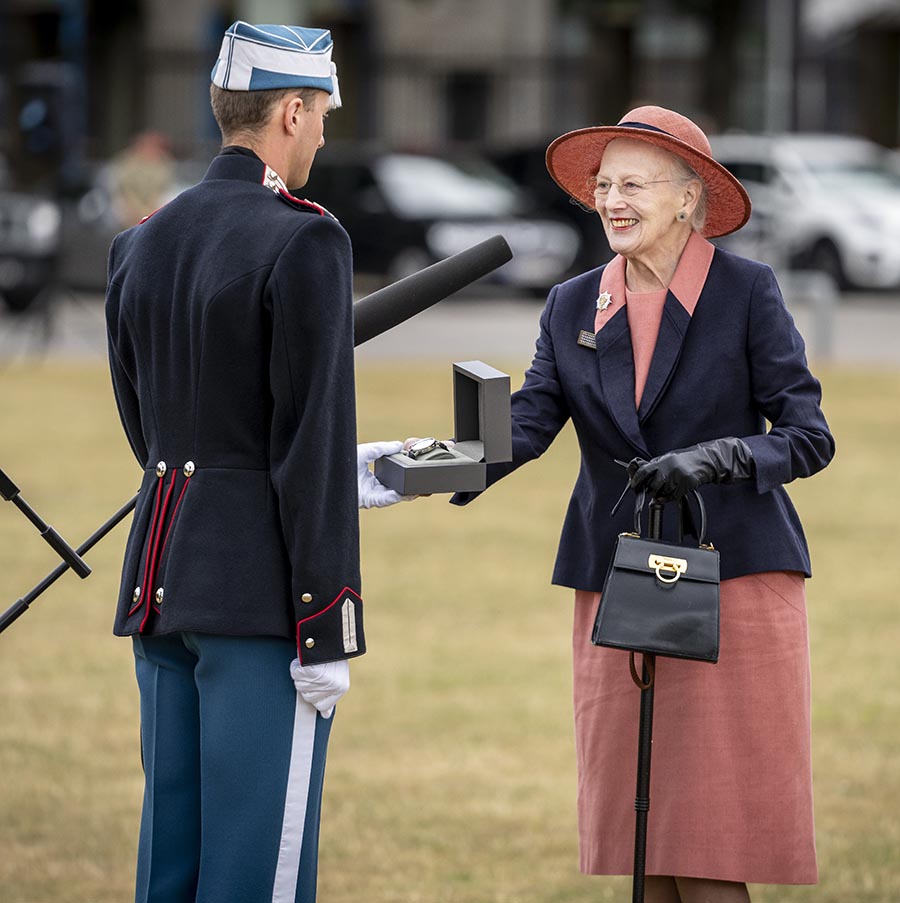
(574,158)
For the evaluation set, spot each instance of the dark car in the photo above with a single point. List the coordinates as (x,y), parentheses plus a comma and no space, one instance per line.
(527,168)
(29,243)
(404,211)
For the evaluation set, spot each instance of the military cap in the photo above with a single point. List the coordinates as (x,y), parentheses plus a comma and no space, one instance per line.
(262,57)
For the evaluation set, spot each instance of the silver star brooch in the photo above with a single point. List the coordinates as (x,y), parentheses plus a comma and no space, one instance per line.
(604,300)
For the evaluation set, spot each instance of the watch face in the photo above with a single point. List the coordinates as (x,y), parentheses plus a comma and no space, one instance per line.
(423,445)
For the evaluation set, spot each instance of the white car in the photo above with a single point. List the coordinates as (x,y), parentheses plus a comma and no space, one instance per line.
(821,202)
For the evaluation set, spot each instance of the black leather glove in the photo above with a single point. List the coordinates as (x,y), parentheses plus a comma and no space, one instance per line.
(671,476)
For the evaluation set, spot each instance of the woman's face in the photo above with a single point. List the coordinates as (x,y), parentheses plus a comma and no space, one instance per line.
(646,221)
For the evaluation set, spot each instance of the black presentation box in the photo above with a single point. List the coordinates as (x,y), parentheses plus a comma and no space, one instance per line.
(483,433)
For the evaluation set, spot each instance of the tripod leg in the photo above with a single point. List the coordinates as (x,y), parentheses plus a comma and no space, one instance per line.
(20,606)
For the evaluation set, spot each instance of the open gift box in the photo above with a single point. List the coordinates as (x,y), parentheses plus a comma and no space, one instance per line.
(483,434)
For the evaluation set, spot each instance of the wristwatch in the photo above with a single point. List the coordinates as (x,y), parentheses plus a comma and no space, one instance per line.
(424,446)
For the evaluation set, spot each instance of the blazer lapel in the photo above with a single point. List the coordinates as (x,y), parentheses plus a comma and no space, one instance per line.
(672,330)
(616,364)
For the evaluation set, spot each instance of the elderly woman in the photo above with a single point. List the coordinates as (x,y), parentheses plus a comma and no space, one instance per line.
(674,356)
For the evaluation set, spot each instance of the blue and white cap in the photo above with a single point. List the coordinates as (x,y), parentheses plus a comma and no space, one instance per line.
(262,57)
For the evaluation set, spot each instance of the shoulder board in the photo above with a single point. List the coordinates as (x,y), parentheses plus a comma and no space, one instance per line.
(303,204)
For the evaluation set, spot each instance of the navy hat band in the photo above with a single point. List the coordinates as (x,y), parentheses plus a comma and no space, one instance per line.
(643,125)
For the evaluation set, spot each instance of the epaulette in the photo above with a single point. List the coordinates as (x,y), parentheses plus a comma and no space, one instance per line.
(304,204)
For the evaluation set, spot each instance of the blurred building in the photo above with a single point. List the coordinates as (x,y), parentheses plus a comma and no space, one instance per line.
(79,78)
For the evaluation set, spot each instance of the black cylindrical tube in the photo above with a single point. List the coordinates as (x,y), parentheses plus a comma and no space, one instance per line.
(394,304)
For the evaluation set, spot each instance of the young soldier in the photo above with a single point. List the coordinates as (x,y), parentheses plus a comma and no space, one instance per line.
(230,325)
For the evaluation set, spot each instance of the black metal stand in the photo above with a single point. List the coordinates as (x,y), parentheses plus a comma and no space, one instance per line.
(10,493)
(20,606)
(645,745)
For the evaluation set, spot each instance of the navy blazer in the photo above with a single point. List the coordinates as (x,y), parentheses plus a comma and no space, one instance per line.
(735,364)
(230,323)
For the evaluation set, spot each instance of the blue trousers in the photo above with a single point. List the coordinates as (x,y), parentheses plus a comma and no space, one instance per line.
(234,762)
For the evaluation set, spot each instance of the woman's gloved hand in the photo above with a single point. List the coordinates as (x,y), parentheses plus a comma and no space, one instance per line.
(322,685)
(373,494)
(671,476)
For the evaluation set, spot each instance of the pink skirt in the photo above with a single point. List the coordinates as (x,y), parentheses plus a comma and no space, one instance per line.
(731,776)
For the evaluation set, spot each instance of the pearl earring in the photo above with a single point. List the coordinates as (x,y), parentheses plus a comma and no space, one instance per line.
(681,216)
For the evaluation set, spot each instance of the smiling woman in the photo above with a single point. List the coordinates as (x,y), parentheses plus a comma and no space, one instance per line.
(673,357)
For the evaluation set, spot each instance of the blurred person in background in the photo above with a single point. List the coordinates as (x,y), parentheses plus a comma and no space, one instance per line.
(673,357)
(230,324)
(141,178)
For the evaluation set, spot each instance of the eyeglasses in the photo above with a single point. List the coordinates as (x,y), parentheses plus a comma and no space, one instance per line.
(629,189)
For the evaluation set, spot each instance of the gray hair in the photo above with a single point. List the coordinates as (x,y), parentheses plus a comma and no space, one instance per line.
(684,174)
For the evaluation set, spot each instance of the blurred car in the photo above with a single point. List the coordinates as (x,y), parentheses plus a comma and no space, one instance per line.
(405,211)
(29,243)
(821,202)
(526,167)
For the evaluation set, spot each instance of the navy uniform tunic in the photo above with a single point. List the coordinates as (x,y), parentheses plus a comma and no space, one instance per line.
(230,323)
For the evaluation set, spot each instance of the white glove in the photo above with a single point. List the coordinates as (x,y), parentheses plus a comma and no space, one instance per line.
(373,494)
(322,685)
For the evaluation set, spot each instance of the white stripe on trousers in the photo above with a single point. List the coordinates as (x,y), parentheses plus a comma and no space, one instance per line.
(296,796)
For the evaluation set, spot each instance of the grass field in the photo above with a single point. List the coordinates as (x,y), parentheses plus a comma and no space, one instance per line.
(451,776)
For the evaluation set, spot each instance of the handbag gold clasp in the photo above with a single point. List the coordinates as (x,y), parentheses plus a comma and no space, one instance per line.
(676,566)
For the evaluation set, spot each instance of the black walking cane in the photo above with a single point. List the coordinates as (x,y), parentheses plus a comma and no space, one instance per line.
(645,743)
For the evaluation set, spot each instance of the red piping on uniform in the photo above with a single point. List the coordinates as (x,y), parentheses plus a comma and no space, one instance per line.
(155,559)
(162,551)
(137,604)
(317,207)
(346,590)
(174,515)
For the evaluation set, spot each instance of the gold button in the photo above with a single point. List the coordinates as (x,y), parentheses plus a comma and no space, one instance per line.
(189,469)
(159,596)
(306,597)
(136,595)
(161,469)
(310,643)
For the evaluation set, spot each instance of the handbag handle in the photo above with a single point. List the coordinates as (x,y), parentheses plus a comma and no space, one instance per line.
(641,499)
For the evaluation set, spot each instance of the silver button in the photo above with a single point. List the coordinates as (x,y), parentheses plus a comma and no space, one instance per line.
(310,643)
(136,594)
(161,469)
(159,596)
(189,469)
(306,597)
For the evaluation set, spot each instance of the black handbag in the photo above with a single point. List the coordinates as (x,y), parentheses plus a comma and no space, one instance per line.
(661,598)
